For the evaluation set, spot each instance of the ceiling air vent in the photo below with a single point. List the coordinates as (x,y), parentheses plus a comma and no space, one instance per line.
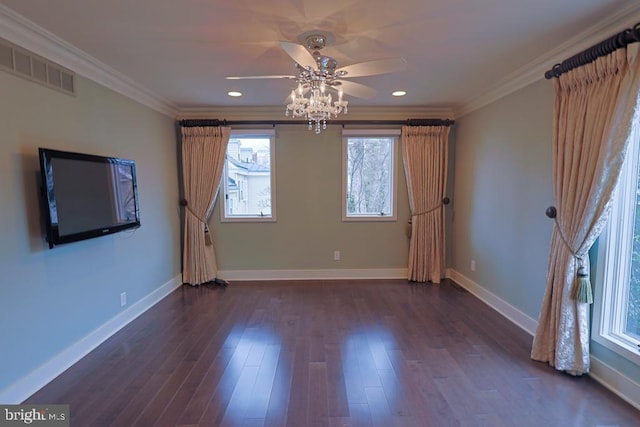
(23,63)
(39,70)
(26,64)
(6,57)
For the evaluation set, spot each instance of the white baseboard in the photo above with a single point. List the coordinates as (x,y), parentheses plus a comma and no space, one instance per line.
(365,273)
(616,382)
(501,306)
(16,393)
(612,379)
(41,376)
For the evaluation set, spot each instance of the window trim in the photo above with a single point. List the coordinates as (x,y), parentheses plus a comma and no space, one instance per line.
(395,134)
(235,133)
(614,250)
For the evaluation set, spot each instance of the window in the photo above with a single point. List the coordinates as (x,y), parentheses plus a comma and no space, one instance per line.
(369,175)
(617,300)
(248,182)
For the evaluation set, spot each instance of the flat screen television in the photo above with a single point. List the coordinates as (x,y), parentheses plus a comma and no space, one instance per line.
(87,196)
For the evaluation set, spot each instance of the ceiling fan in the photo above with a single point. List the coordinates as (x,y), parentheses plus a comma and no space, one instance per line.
(312,67)
(317,73)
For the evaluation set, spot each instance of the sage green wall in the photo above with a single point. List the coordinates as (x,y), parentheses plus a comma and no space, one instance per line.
(309,225)
(503,184)
(50,299)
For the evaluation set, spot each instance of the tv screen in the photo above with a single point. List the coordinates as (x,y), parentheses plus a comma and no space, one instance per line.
(86,196)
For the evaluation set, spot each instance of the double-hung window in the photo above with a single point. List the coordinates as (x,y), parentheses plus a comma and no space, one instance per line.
(617,296)
(369,172)
(248,181)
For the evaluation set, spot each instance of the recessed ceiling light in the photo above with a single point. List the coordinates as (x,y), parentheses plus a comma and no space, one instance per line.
(234,93)
(399,93)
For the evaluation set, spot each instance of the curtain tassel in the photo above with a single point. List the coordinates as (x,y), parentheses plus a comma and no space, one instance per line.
(582,290)
(207,236)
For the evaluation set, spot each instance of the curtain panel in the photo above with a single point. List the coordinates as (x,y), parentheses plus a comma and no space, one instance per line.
(203,154)
(425,157)
(593,113)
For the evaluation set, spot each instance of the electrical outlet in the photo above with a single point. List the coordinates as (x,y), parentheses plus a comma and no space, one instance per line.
(123,299)
(473,265)
(336,255)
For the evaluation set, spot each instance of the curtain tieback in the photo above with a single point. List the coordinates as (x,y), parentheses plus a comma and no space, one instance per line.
(445,201)
(438,206)
(410,221)
(581,289)
(207,236)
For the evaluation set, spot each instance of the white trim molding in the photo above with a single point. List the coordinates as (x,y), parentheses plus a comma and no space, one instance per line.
(534,70)
(516,316)
(28,35)
(371,273)
(42,375)
(624,387)
(620,385)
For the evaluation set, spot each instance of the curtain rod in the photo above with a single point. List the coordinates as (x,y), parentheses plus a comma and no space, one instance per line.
(604,48)
(224,122)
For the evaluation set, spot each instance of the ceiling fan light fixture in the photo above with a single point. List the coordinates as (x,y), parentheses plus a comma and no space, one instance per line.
(318,75)
(312,99)
(312,102)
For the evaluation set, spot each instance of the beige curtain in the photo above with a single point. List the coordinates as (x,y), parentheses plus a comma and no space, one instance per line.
(593,113)
(424,152)
(203,152)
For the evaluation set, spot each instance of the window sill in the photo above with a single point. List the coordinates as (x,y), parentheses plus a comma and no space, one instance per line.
(619,346)
(249,219)
(371,218)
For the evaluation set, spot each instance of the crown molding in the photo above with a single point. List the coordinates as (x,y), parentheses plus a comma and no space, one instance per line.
(28,35)
(534,70)
(277,113)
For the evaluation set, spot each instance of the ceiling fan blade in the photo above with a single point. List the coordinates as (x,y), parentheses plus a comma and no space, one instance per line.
(356,89)
(259,77)
(371,68)
(299,54)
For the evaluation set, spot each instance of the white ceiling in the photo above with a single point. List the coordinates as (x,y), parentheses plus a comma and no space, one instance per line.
(458,51)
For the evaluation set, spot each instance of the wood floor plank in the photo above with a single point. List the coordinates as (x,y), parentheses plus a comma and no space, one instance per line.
(221,397)
(167,404)
(279,399)
(317,412)
(326,353)
(299,395)
(395,394)
(120,365)
(378,407)
(354,383)
(365,360)
(263,388)
(240,398)
(162,385)
(360,415)
(337,402)
(436,407)
(172,411)
(200,398)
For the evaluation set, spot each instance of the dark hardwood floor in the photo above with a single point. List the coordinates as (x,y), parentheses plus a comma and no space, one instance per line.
(326,353)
